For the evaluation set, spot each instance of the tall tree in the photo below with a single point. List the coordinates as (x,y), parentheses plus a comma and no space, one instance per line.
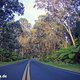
(8,39)
(25,37)
(63,11)
(7,10)
(44,39)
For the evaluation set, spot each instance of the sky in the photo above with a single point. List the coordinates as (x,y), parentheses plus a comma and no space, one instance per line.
(31,14)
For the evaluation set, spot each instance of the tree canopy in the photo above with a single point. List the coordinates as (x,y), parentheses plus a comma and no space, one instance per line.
(8,8)
(64,12)
(54,36)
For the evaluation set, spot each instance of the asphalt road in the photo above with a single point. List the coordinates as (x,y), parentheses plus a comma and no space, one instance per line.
(36,71)
(39,71)
(13,71)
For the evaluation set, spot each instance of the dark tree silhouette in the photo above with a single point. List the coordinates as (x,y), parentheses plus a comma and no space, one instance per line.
(8,8)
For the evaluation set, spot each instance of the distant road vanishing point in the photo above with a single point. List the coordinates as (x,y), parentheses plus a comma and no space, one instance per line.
(33,70)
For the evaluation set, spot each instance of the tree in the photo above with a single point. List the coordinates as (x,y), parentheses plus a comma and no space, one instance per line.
(76,32)
(44,39)
(64,12)
(8,39)
(4,55)
(25,37)
(8,8)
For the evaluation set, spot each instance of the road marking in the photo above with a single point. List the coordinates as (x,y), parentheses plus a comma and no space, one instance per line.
(26,72)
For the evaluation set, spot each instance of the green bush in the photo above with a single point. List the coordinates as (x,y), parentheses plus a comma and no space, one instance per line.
(14,56)
(68,55)
(4,55)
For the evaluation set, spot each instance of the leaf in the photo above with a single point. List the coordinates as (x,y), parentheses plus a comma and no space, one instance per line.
(71,56)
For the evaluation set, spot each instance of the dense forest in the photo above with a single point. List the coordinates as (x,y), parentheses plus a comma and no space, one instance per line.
(54,37)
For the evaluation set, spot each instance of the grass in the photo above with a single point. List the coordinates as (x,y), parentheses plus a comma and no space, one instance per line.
(12,62)
(70,67)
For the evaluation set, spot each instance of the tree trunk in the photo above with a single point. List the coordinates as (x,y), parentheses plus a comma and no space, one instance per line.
(72,39)
(70,34)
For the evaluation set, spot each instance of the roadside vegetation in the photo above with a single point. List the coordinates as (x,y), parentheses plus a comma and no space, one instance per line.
(64,55)
(6,56)
(70,67)
(65,58)
(10,62)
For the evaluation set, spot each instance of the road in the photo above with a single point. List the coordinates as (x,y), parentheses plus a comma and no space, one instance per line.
(14,71)
(40,71)
(33,70)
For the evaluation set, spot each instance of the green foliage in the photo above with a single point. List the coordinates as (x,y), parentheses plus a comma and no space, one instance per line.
(47,58)
(64,55)
(68,55)
(8,36)
(14,56)
(6,56)
(71,56)
(8,8)
(76,32)
(1,51)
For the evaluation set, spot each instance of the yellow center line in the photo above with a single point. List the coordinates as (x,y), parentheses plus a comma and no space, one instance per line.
(26,72)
